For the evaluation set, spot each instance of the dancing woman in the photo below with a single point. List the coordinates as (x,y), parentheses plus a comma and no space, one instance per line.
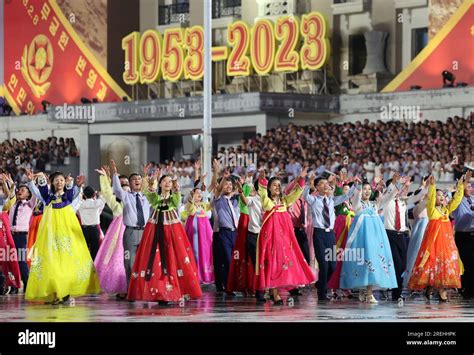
(164,269)
(199,231)
(438,264)
(109,259)
(61,264)
(367,240)
(280,263)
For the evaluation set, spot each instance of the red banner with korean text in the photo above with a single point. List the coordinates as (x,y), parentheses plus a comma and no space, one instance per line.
(45,60)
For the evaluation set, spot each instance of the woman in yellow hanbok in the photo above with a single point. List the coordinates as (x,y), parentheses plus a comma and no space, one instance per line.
(438,264)
(61,265)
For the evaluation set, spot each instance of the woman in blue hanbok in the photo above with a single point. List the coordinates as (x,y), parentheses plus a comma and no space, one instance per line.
(367,256)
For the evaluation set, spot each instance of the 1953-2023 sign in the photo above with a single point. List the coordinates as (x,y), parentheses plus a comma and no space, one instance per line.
(288,45)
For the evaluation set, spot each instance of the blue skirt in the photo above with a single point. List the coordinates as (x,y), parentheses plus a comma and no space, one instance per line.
(367,256)
(414,247)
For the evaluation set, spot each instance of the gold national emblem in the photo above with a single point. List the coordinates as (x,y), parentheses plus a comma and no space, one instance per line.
(37,63)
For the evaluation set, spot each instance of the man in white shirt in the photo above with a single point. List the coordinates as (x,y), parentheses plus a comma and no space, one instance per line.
(396,225)
(89,210)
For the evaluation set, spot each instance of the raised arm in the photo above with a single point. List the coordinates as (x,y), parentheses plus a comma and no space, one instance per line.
(310,199)
(294,194)
(431,199)
(342,198)
(457,198)
(107,194)
(356,198)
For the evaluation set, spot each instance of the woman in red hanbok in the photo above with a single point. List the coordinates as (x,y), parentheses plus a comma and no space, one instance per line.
(280,262)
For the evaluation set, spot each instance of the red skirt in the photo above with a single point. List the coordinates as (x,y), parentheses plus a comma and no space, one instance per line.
(9,260)
(438,263)
(32,233)
(341,229)
(280,262)
(181,278)
(241,273)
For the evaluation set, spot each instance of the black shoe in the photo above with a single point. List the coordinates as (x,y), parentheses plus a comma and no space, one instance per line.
(65,299)
(428,293)
(163,303)
(56,302)
(324,299)
(278,303)
(230,294)
(120,297)
(14,291)
(295,292)
(261,300)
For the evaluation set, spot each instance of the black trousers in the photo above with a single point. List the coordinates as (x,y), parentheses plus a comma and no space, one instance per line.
(465,243)
(252,247)
(92,236)
(398,245)
(20,239)
(302,239)
(324,243)
(222,246)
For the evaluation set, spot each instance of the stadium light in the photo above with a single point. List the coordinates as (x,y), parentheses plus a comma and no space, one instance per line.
(448,79)
(45,105)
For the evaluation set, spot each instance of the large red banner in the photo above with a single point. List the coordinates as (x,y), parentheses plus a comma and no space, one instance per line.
(45,60)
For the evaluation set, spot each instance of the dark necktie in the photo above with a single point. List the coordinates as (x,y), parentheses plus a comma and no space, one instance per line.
(397,216)
(303,213)
(327,220)
(15,214)
(140,216)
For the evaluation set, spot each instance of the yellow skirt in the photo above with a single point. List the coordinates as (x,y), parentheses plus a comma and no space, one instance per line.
(61,263)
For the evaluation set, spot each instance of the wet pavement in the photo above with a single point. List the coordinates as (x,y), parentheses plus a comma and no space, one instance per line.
(220,308)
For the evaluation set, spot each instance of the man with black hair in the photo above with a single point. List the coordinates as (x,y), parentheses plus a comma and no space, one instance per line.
(396,225)
(136,211)
(322,209)
(90,208)
(227,219)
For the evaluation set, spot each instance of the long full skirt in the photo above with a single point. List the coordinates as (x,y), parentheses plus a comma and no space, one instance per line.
(341,230)
(199,232)
(109,259)
(438,263)
(280,262)
(414,247)
(367,258)
(241,273)
(180,277)
(61,264)
(9,259)
(33,233)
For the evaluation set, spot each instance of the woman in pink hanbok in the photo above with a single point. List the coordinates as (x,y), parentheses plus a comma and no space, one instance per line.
(199,231)
(109,259)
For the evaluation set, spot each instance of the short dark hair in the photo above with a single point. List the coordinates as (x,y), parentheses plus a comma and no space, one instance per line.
(132,175)
(89,192)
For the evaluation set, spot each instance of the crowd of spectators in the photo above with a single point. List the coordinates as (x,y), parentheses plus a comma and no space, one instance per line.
(18,155)
(368,149)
